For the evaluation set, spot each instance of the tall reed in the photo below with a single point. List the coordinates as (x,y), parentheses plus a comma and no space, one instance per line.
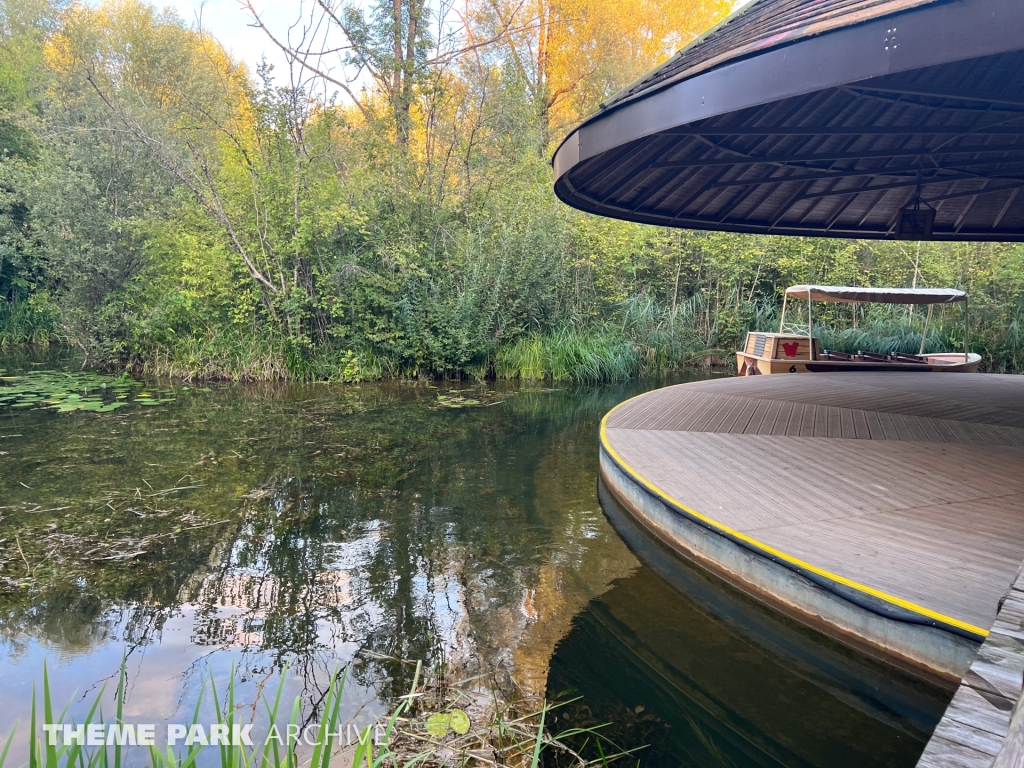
(26,322)
(642,338)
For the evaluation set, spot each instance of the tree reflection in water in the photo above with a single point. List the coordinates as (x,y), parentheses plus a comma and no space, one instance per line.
(315,525)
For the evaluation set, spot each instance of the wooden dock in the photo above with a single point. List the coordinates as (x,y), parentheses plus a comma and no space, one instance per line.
(974,731)
(886,508)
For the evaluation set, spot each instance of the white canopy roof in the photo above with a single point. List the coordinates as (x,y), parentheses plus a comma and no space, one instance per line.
(877,295)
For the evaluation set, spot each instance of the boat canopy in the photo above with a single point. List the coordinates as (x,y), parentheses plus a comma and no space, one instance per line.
(846,294)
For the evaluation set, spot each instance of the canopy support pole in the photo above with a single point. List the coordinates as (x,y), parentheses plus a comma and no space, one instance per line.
(782,320)
(924,333)
(810,329)
(967,333)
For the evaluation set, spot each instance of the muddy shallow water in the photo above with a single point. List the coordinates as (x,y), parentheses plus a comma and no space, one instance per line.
(263,526)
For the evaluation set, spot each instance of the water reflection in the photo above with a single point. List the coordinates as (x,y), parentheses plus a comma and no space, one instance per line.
(265,526)
(706,676)
(311,525)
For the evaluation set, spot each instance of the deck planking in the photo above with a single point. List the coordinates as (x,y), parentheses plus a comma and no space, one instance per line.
(974,731)
(911,484)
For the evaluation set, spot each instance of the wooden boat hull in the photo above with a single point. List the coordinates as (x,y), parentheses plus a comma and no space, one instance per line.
(769,353)
(944,363)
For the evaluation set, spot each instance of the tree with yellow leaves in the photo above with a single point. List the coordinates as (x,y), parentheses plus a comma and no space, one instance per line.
(176,92)
(573,54)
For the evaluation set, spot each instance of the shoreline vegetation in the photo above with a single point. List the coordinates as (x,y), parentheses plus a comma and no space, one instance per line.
(166,209)
(441,720)
(644,340)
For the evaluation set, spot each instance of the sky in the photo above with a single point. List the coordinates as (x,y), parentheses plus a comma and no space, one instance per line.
(229,21)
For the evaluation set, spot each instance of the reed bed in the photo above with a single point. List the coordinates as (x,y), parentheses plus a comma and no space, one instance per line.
(638,337)
(645,338)
(26,322)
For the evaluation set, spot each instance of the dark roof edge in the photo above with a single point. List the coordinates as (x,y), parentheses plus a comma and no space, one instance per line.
(608,106)
(756,47)
(614,99)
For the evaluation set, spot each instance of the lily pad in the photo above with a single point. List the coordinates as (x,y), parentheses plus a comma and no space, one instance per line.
(66,392)
(438,724)
(459,722)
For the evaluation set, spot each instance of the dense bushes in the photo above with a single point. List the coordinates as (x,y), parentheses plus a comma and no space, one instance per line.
(162,208)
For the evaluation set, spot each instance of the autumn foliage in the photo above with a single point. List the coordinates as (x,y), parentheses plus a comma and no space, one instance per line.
(382,206)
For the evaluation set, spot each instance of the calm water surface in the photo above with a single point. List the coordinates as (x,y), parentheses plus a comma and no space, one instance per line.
(260,527)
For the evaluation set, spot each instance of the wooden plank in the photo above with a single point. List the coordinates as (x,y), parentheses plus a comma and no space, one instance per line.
(702,414)
(723,416)
(969,708)
(752,426)
(932,395)
(683,410)
(796,417)
(976,739)
(946,753)
(983,727)
(807,420)
(771,415)
(943,564)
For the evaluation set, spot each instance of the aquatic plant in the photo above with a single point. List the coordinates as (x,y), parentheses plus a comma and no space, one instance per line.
(424,729)
(83,391)
(642,338)
(570,354)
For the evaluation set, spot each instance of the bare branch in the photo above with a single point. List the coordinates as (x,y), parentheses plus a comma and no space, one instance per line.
(302,60)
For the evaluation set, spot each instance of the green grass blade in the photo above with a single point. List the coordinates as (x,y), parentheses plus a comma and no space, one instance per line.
(51,750)
(539,743)
(122,679)
(33,761)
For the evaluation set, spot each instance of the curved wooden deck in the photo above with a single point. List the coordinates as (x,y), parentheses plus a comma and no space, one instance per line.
(902,494)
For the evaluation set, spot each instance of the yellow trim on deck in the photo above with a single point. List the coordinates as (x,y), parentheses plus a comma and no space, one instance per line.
(906,604)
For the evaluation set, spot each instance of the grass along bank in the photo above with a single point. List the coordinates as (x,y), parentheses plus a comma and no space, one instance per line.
(440,721)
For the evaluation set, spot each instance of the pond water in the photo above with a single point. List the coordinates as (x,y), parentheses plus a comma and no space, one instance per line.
(254,527)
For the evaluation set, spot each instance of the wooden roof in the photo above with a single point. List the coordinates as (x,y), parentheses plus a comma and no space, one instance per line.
(757,27)
(820,117)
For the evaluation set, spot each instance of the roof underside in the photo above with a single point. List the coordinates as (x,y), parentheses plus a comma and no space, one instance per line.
(752,142)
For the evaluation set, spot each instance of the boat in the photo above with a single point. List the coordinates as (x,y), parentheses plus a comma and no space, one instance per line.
(796,350)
